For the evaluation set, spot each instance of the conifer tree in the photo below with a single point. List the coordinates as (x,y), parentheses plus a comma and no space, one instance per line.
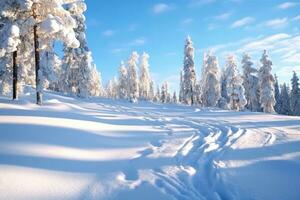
(266,83)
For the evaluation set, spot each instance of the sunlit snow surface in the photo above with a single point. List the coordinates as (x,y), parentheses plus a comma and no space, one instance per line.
(104,149)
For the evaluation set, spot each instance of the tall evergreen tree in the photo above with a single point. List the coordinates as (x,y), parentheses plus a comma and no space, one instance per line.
(278,103)
(285,108)
(133,82)
(189,76)
(211,89)
(266,82)
(78,63)
(250,83)
(295,95)
(123,82)
(235,88)
(145,79)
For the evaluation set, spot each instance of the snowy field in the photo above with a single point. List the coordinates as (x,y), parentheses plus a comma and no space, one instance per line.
(104,149)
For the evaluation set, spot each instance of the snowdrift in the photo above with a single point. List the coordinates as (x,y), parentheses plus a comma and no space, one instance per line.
(103,149)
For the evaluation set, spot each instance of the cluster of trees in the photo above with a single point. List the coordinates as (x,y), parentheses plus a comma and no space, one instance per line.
(134,82)
(253,89)
(30,28)
(288,101)
(28,32)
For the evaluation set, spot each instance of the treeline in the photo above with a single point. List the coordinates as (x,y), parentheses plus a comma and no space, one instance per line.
(254,89)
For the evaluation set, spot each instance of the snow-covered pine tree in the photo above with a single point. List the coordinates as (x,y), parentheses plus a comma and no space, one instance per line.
(189,74)
(164,93)
(157,95)
(78,63)
(133,83)
(51,22)
(224,93)
(123,82)
(266,83)
(175,100)
(112,88)
(145,79)
(198,94)
(295,95)
(250,83)
(211,89)
(10,13)
(278,103)
(151,91)
(285,108)
(96,88)
(235,88)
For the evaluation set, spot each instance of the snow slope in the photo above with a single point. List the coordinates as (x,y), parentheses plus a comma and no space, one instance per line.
(104,149)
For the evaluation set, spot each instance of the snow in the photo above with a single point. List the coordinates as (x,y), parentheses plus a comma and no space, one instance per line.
(106,149)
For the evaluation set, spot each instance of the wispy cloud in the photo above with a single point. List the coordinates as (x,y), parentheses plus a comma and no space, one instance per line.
(242,22)
(138,41)
(277,23)
(287,5)
(212,26)
(223,16)
(109,33)
(186,21)
(161,8)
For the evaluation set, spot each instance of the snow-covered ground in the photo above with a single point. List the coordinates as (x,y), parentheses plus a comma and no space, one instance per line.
(104,149)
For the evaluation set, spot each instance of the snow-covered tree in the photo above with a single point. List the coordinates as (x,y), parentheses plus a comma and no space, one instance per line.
(189,74)
(145,79)
(295,95)
(235,88)
(133,82)
(250,83)
(266,83)
(224,93)
(278,103)
(96,88)
(151,91)
(10,12)
(164,92)
(174,100)
(285,108)
(78,67)
(112,88)
(123,82)
(157,95)
(211,91)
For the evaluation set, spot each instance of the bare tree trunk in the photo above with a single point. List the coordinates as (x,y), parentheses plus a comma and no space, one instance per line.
(37,66)
(15,75)
(37,60)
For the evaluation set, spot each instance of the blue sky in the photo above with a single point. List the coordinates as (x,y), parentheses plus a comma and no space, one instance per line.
(118,27)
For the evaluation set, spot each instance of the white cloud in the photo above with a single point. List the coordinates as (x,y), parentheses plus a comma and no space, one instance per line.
(138,41)
(242,22)
(161,8)
(287,5)
(109,33)
(223,16)
(277,23)
(297,18)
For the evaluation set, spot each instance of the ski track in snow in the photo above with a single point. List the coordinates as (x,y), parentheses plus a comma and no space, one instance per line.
(189,149)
